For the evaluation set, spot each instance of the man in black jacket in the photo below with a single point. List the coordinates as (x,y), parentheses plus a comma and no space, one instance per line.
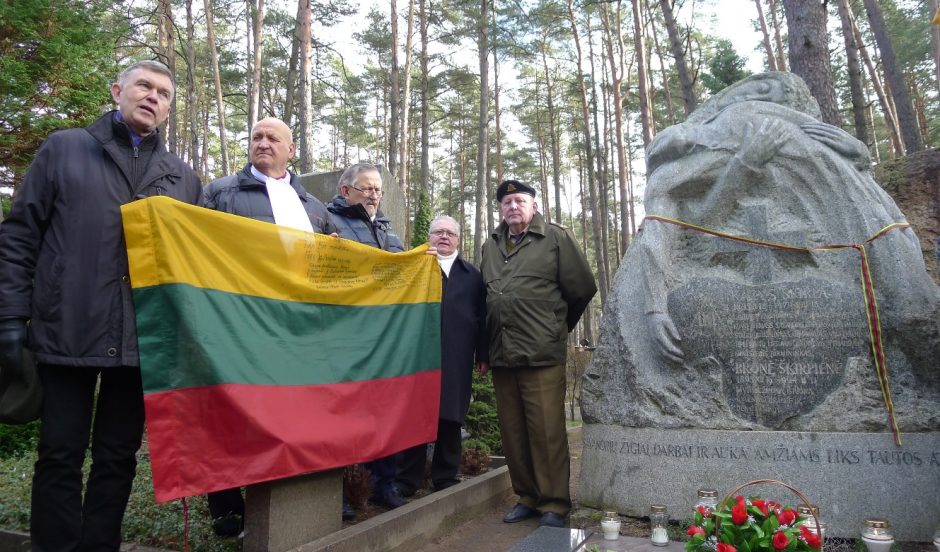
(355,213)
(263,190)
(464,337)
(64,270)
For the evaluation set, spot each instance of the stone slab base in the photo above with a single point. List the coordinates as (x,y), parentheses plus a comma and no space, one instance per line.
(850,476)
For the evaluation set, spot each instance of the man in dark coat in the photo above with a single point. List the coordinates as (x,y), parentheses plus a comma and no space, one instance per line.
(538,284)
(463,342)
(355,209)
(264,190)
(355,214)
(64,270)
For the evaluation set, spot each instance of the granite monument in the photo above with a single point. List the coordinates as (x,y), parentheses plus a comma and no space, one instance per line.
(738,342)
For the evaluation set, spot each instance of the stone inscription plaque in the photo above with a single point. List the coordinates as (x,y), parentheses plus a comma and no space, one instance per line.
(781,348)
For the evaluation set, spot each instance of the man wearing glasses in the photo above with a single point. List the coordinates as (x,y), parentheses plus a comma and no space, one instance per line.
(356,216)
(463,336)
(355,209)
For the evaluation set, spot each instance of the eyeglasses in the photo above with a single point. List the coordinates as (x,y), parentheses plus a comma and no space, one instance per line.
(368,191)
(442,233)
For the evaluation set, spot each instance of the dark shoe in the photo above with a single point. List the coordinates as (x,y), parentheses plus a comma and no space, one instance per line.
(390,498)
(228,526)
(519,513)
(348,512)
(551,519)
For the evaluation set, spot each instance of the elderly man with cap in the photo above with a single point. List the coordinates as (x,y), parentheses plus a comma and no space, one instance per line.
(538,284)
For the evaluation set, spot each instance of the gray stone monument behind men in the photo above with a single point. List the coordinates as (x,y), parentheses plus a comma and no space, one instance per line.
(722,360)
(323,186)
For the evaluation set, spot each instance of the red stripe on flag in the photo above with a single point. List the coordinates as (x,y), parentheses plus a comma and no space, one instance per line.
(210,438)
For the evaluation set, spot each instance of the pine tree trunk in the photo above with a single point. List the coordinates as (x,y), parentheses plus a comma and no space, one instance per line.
(616,82)
(254,84)
(289,99)
(771,58)
(589,154)
(425,100)
(907,121)
(935,42)
(894,136)
(778,41)
(553,134)
(599,185)
(675,46)
(167,55)
(217,83)
(664,77)
(859,110)
(405,121)
(394,99)
(304,115)
(809,54)
(191,103)
(483,134)
(646,109)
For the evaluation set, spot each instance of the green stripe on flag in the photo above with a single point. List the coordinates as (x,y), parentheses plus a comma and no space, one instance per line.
(191,337)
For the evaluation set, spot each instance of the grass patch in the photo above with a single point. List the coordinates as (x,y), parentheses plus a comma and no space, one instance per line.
(146,522)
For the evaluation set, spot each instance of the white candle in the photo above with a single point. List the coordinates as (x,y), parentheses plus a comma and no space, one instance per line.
(660,536)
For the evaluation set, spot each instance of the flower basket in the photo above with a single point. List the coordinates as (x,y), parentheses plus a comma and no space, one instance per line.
(752,524)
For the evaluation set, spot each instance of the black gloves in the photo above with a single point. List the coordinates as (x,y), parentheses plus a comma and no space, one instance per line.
(12,341)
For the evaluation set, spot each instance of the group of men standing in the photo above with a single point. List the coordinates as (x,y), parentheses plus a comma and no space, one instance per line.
(66,296)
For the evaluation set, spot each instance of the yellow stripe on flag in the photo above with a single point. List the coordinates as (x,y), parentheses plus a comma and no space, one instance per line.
(170,242)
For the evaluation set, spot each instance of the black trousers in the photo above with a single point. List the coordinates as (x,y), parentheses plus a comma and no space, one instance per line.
(61,519)
(444,463)
(227,502)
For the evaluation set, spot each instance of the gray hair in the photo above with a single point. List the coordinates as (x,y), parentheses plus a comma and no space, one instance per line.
(349,176)
(447,218)
(149,65)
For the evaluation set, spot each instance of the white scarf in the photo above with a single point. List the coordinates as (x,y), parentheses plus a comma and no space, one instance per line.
(446,262)
(285,203)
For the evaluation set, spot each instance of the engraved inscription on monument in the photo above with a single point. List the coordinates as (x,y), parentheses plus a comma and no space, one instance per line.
(781,347)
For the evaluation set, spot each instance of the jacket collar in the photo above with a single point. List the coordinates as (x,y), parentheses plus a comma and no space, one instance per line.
(536,226)
(247,180)
(339,206)
(107,129)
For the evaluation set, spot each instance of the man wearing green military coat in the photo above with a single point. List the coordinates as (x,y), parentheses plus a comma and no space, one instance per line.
(538,284)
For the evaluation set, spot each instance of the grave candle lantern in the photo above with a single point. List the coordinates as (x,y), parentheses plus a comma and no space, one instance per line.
(876,535)
(658,520)
(610,525)
(810,523)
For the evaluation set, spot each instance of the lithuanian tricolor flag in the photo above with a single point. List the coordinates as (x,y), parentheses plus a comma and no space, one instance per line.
(268,352)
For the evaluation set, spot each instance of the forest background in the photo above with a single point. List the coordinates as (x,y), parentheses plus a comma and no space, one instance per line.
(453,96)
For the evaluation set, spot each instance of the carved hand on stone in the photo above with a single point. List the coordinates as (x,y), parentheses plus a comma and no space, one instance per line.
(666,339)
(839,141)
(759,147)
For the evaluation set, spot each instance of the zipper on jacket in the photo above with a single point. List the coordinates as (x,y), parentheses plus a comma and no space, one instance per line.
(134,175)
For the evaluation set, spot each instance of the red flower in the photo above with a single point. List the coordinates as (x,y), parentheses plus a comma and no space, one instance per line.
(773,506)
(739,514)
(761,505)
(740,500)
(695,530)
(705,511)
(722,547)
(812,539)
(780,540)
(786,517)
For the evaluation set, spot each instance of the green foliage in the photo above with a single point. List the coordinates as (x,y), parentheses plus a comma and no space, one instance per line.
(18,439)
(422,224)
(146,522)
(482,421)
(725,67)
(56,62)
(6,203)
(476,444)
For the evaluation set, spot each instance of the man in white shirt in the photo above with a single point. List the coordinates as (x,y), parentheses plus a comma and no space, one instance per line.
(264,190)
